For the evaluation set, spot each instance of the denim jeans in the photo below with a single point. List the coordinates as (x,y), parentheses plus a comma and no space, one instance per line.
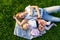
(49,10)
(45,14)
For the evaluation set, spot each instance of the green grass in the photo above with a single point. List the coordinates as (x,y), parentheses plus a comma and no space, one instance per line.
(8,8)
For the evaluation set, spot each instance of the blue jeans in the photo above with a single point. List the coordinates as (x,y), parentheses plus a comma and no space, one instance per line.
(49,10)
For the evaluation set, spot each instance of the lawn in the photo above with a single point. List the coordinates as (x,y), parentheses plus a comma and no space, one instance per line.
(8,8)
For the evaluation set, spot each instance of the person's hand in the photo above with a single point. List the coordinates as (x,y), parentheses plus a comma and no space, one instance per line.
(38,17)
(25,26)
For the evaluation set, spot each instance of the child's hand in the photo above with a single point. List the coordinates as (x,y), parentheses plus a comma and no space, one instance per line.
(25,26)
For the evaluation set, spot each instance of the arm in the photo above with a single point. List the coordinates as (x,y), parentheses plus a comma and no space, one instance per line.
(23,21)
(20,23)
(31,12)
(37,9)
